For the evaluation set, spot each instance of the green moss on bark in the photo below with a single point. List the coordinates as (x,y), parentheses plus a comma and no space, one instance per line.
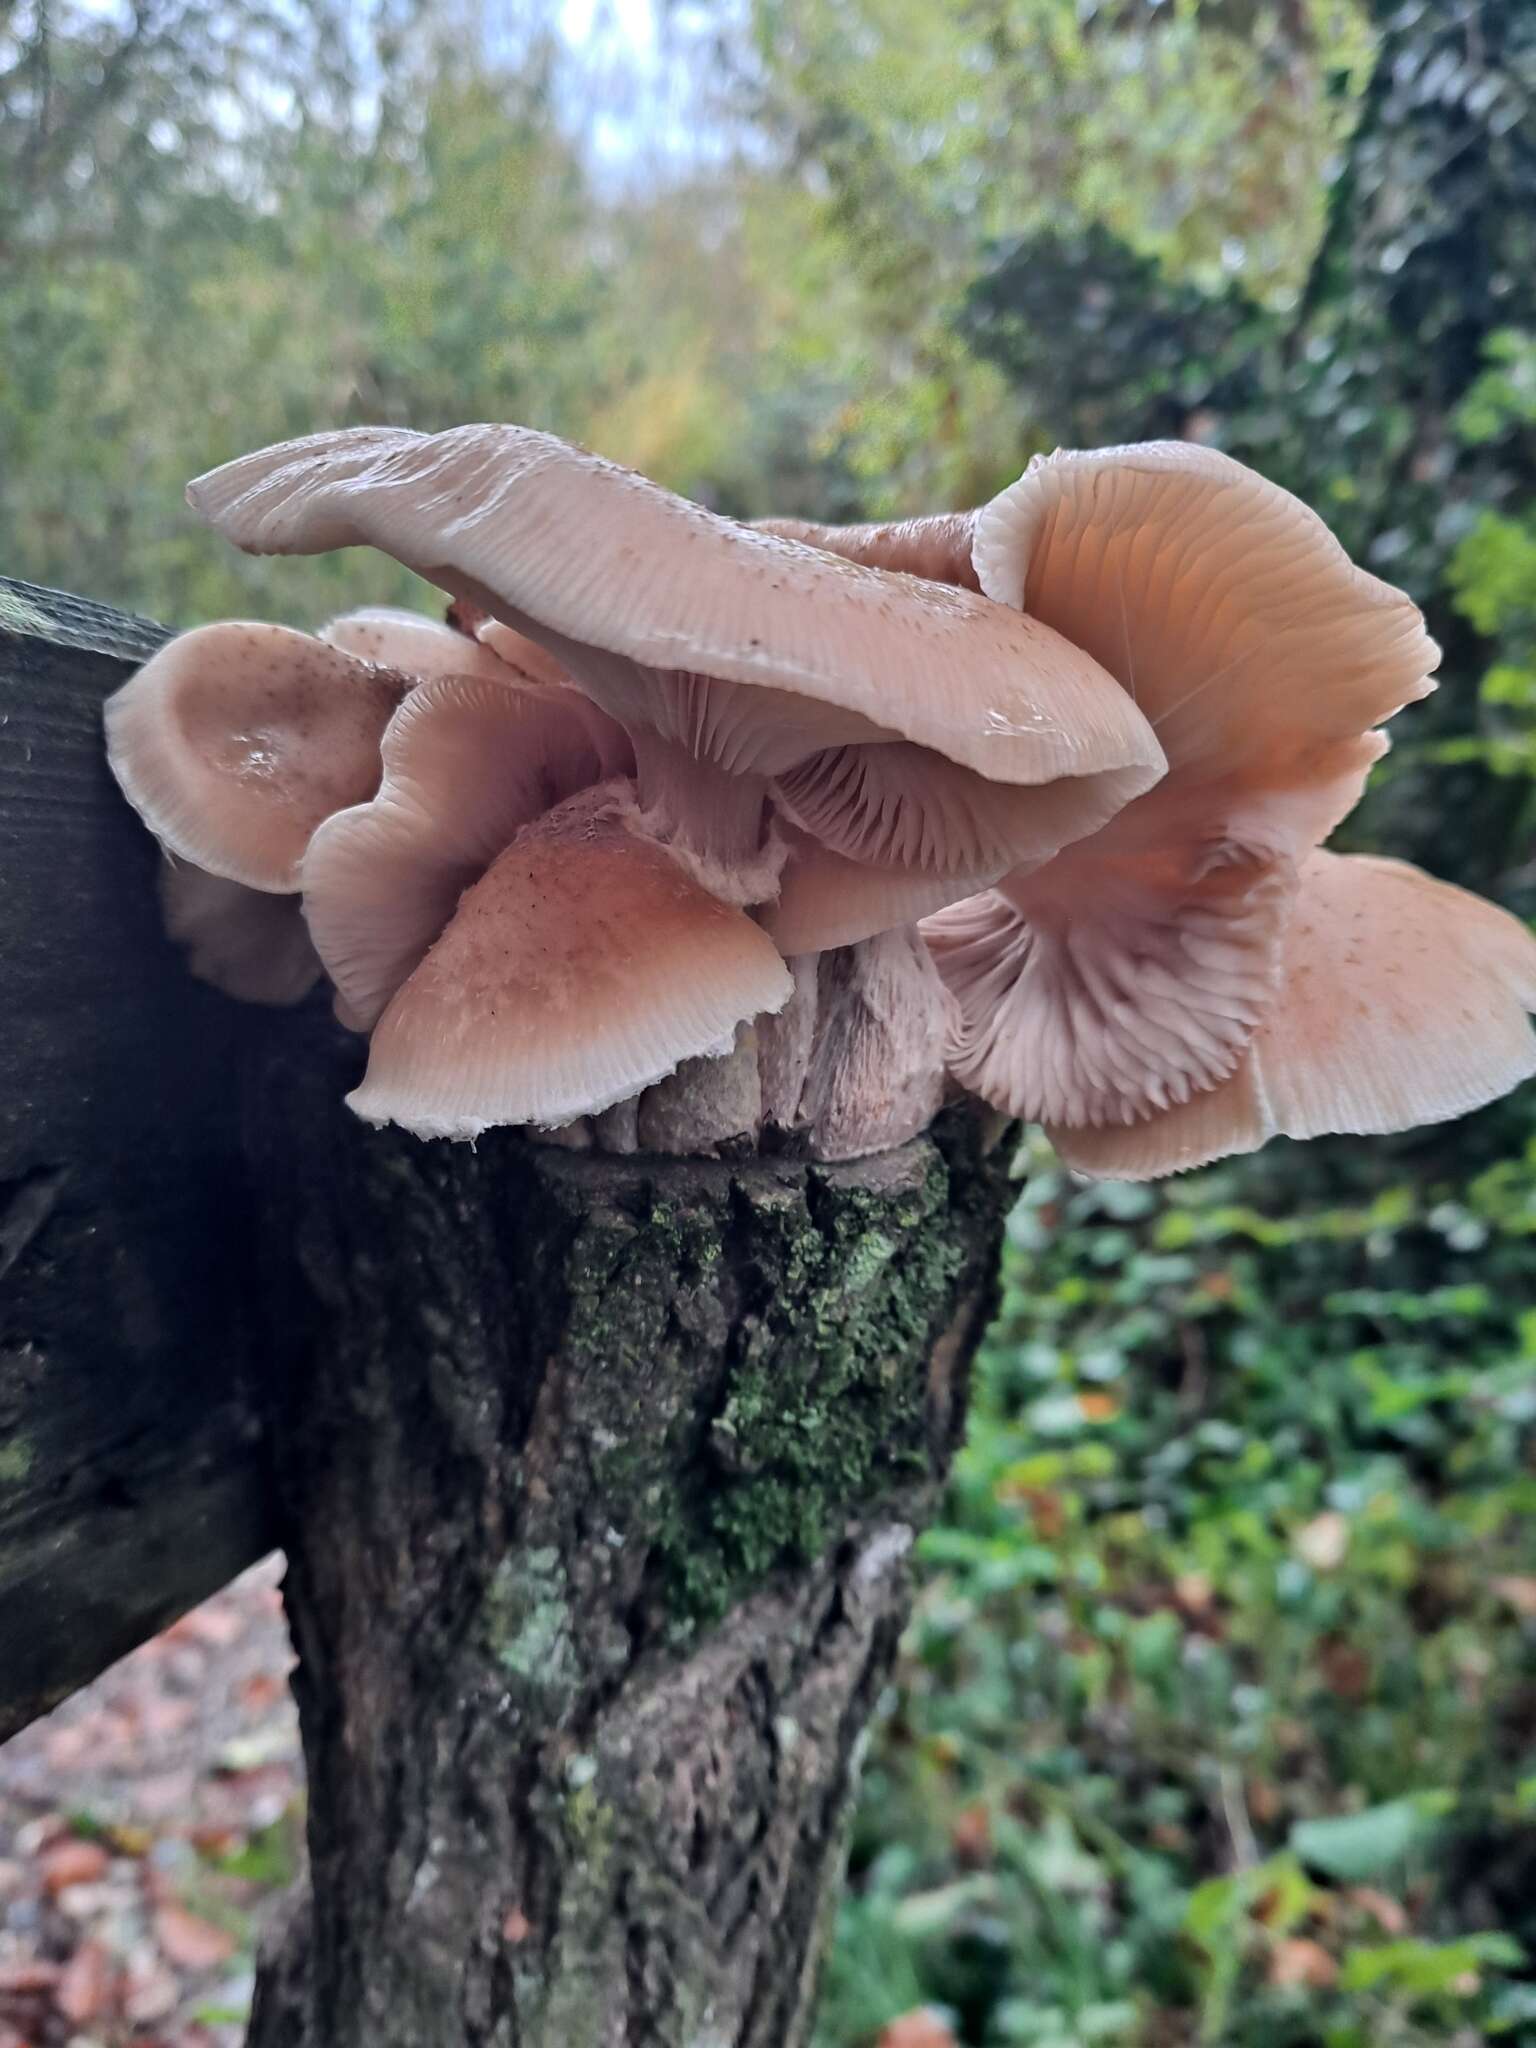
(527,1619)
(822,1407)
(15,1460)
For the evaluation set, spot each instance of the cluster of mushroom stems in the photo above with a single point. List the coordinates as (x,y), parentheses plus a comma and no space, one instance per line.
(680,835)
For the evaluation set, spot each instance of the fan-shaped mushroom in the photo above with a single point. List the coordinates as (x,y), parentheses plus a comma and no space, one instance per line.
(1402,1001)
(838,746)
(1118,986)
(584,965)
(234,741)
(466,763)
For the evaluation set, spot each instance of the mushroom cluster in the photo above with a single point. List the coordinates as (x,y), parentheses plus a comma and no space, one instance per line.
(686,835)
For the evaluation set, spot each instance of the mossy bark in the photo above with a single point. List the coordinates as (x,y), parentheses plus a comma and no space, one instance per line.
(600,1478)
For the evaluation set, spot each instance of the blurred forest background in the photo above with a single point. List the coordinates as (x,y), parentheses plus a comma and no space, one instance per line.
(1218,1723)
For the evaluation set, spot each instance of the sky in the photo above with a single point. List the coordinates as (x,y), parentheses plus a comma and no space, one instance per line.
(635,90)
(635,86)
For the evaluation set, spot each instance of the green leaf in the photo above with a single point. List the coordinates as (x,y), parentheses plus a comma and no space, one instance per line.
(1427,1969)
(1212,1908)
(1355,1847)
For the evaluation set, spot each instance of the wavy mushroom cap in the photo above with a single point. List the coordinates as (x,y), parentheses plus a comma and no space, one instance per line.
(234,741)
(1127,974)
(1094,1009)
(466,764)
(575,550)
(938,547)
(888,835)
(900,720)
(1402,1001)
(583,966)
(411,643)
(1221,603)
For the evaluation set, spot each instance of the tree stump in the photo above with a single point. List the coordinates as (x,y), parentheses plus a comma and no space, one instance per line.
(599,1479)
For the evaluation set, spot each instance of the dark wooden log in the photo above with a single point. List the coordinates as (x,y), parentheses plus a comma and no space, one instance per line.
(130,1474)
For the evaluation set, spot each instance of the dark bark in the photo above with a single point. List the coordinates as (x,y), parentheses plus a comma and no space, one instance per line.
(130,1481)
(600,1480)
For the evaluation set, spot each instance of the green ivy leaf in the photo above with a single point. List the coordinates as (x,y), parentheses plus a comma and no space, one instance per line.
(1355,1847)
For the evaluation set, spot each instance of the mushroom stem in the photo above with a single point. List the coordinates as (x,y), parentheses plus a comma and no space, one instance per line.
(708,1107)
(714,820)
(853,1064)
(875,1074)
(784,1046)
(617,1129)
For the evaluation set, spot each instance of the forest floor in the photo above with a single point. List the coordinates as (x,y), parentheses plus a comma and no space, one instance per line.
(143,1826)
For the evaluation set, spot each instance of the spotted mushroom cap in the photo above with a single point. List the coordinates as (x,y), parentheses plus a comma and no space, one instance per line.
(1402,1001)
(234,741)
(582,967)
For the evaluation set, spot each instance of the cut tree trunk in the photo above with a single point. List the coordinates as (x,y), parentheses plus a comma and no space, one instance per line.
(600,1481)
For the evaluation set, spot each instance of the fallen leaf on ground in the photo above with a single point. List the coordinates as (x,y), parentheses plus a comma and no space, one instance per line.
(216,1623)
(26,1980)
(217,1842)
(87,1987)
(166,1794)
(261,1691)
(1303,1964)
(87,1901)
(72,1862)
(162,1718)
(925,2029)
(128,1839)
(33,1837)
(191,1943)
(150,1992)
(70,1746)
